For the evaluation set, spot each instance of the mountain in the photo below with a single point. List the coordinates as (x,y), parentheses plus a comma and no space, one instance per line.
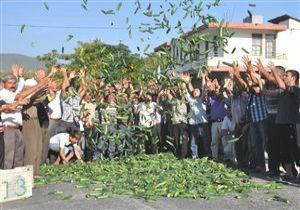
(29,63)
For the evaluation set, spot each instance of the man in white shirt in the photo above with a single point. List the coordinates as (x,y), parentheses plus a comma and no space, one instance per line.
(12,122)
(227,132)
(65,145)
(198,119)
(147,118)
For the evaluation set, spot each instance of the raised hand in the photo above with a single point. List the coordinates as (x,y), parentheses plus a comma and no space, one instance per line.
(185,77)
(72,75)
(258,64)
(54,69)
(235,68)
(20,71)
(246,60)
(63,69)
(23,101)
(82,73)
(15,70)
(271,66)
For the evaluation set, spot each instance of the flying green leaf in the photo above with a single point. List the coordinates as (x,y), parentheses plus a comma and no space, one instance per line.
(227,64)
(252,5)
(69,38)
(249,13)
(146,48)
(232,141)
(22,28)
(149,6)
(108,12)
(119,5)
(46,6)
(62,50)
(246,51)
(233,50)
(84,7)
(148,13)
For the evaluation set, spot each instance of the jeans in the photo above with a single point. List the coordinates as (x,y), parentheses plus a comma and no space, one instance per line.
(256,144)
(200,145)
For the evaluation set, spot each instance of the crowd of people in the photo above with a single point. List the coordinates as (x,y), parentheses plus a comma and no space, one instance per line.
(253,112)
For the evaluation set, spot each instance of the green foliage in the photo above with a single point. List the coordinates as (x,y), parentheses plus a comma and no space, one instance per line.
(148,176)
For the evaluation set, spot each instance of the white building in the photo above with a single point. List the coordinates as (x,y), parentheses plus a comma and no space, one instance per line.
(278,41)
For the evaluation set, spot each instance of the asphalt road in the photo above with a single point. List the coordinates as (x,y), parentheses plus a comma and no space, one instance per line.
(257,200)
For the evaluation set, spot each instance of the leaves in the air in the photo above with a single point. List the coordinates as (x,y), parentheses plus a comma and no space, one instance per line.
(46,6)
(216,3)
(22,28)
(108,12)
(227,64)
(249,13)
(233,50)
(146,48)
(246,51)
(62,50)
(149,6)
(84,6)
(148,13)
(119,5)
(252,5)
(69,38)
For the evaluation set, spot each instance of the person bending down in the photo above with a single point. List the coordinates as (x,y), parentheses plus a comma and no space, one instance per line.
(65,144)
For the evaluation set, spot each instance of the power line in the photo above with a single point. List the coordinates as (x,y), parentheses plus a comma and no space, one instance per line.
(77,27)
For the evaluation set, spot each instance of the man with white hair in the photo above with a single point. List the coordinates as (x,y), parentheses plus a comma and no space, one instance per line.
(12,122)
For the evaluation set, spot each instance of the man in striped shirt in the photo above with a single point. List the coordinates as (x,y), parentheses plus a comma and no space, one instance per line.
(257,109)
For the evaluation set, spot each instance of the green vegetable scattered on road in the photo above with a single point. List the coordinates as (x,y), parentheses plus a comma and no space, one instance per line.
(150,176)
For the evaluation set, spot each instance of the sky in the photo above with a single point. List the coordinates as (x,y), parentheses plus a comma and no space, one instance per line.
(46,30)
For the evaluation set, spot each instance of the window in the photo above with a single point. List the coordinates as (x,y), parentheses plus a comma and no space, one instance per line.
(256,44)
(270,45)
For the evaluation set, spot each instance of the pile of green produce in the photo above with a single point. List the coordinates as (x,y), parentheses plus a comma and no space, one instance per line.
(149,176)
